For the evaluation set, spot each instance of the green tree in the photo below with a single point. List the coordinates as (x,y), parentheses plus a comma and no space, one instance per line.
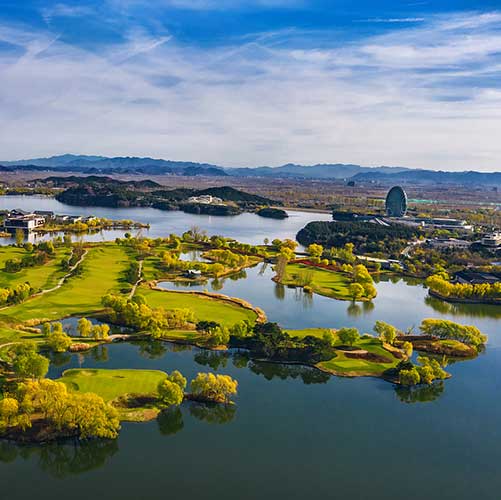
(170,393)
(409,377)
(84,327)
(27,363)
(58,341)
(356,291)
(217,388)
(387,333)
(348,336)
(19,237)
(177,378)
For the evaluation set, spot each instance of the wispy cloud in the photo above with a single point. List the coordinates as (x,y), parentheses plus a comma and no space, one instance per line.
(61,10)
(426,95)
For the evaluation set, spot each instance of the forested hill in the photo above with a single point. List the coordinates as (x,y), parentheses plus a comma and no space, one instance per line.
(103,191)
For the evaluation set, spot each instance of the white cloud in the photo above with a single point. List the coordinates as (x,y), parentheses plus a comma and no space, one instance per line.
(395,99)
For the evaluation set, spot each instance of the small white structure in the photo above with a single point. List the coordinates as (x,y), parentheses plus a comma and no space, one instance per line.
(449,243)
(492,240)
(206,199)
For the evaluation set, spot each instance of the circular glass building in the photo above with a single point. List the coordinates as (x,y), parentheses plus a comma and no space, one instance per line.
(396,202)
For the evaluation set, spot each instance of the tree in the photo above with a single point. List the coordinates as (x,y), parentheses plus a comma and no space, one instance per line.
(348,335)
(58,341)
(329,337)
(170,393)
(210,387)
(408,348)
(177,378)
(91,416)
(27,363)
(9,409)
(387,333)
(446,329)
(409,377)
(46,329)
(84,327)
(315,251)
(356,291)
(19,237)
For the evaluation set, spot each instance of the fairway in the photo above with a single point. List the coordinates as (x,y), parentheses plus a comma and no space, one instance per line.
(329,283)
(205,308)
(342,365)
(110,384)
(39,277)
(100,274)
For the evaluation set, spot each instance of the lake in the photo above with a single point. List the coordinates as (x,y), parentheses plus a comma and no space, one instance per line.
(246,227)
(294,432)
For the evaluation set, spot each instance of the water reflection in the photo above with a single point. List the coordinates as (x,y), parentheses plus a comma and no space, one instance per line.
(213,413)
(61,460)
(271,371)
(170,421)
(420,393)
(212,359)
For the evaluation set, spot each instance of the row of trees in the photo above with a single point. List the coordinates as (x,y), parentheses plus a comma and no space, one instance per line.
(205,387)
(66,413)
(445,329)
(440,285)
(16,294)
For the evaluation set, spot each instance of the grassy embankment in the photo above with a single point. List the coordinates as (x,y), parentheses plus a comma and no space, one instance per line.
(205,308)
(332,284)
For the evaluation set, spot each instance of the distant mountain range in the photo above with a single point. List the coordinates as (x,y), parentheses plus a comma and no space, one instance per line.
(348,172)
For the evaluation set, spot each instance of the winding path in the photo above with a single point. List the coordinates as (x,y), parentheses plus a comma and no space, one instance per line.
(136,284)
(59,284)
(61,281)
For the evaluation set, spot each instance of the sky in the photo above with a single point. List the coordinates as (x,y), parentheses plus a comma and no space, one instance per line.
(412,83)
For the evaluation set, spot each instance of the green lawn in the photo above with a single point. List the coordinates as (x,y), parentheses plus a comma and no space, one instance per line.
(307,332)
(205,308)
(39,277)
(341,365)
(109,384)
(329,283)
(102,269)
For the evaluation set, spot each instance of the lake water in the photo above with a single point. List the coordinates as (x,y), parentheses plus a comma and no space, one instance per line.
(294,433)
(246,227)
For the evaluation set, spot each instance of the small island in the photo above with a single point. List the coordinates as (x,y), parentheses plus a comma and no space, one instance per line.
(272,213)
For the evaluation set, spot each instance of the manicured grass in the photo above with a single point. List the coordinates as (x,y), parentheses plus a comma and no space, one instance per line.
(109,384)
(307,332)
(39,277)
(329,283)
(101,271)
(205,308)
(342,365)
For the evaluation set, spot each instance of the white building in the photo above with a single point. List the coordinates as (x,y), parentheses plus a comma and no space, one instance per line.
(206,199)
(492,240)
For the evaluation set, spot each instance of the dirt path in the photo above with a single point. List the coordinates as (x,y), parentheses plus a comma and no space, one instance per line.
(61,281)
(137,283)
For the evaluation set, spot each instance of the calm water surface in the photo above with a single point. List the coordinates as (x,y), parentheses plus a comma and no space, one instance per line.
(295,433)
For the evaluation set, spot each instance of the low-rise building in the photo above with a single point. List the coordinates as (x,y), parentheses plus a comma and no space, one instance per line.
(492,240)
(24,222)
(206,199)
(448,243)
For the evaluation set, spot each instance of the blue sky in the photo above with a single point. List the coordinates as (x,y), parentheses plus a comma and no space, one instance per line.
(254,82)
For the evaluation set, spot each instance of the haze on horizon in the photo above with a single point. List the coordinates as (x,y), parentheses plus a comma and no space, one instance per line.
(254,82)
